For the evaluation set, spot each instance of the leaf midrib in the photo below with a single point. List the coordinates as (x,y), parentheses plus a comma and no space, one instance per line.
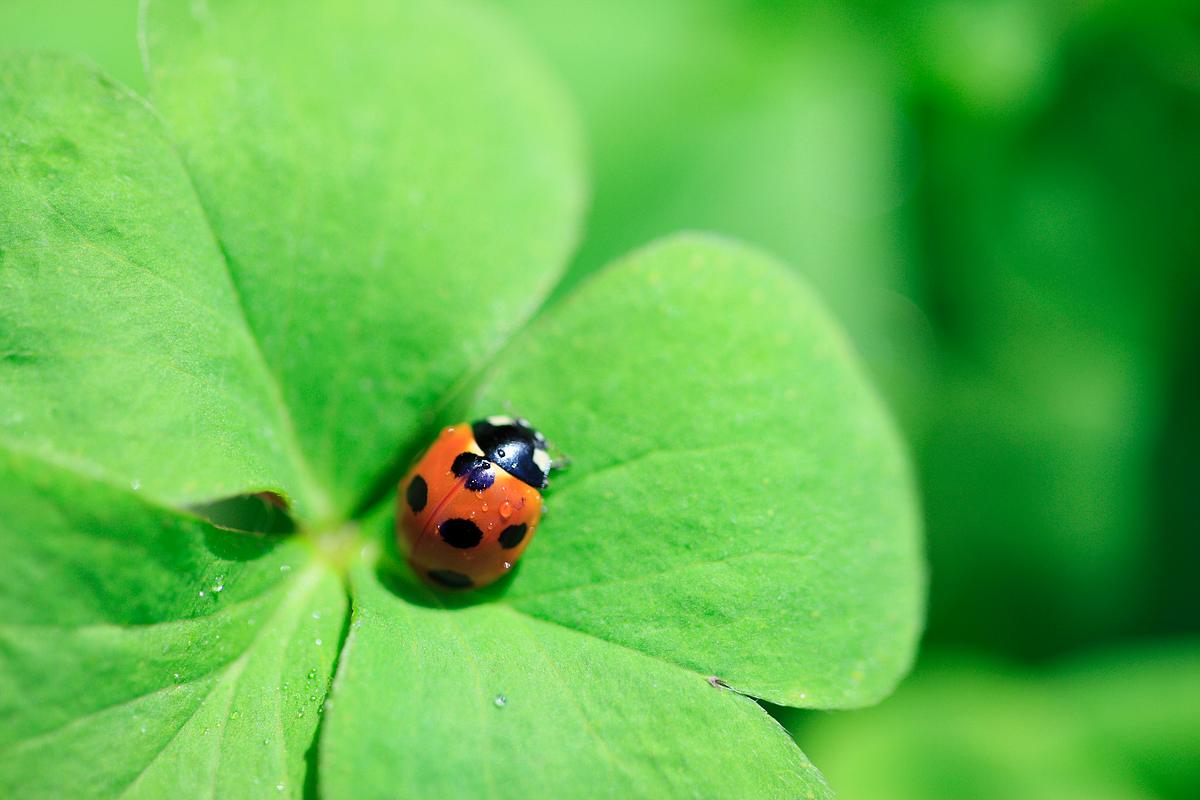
(314,491)
(302,587)
(321,503)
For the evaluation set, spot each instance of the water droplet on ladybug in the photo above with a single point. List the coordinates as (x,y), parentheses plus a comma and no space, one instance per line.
(506,509)
(507,565)
(483,507)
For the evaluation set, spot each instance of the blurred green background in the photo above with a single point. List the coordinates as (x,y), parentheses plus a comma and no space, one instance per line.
(1001,201)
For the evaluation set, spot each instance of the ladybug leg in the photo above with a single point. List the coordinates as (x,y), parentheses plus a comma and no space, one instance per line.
(558,459)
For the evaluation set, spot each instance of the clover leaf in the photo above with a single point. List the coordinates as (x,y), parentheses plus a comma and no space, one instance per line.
(326,236)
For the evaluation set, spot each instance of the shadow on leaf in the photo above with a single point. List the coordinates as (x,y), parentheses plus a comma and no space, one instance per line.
(395,575)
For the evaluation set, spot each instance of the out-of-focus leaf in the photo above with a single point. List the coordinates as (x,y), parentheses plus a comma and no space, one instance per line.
(1055,263)
(1119,727)
(103,30)
(1140,708)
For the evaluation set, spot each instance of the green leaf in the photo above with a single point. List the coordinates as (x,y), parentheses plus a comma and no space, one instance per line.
(396,187)
(1057,353)
(484,701)
(738,509)
(124,353)
(964,729)
(738,502)
(169,658)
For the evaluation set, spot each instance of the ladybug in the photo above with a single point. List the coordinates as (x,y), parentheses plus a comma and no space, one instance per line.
(469,507)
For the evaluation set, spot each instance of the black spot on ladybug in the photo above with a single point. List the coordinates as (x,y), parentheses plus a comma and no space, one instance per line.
(450,578)
(477,469)
(481,478)
(460,533)
(512,536)
(464,463)
(417,494)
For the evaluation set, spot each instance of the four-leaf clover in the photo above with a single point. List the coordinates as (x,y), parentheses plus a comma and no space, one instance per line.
(329,232)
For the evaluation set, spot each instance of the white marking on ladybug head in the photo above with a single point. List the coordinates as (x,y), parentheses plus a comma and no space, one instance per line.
(500,420)
(542,460)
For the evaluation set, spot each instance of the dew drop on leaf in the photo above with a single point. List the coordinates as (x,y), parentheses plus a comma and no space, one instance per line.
(501,701)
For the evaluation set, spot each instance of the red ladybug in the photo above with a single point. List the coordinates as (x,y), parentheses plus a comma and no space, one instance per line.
(469,507)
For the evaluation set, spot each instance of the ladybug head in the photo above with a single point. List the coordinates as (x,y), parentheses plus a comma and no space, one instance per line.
(514,446)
